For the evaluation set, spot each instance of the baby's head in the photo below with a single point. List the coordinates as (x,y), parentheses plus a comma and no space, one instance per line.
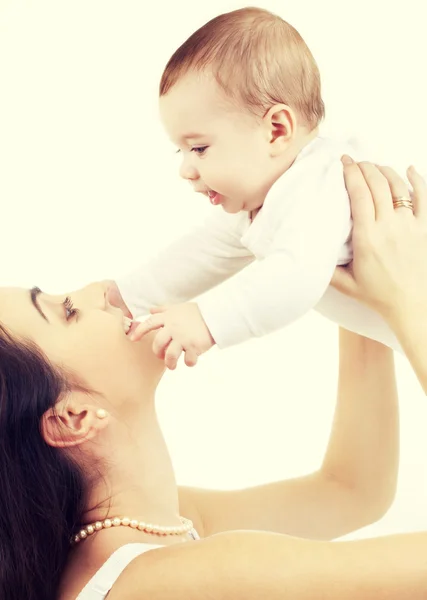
(240,98)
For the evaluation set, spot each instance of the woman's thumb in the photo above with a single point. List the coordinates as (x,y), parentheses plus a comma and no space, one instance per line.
(343,281)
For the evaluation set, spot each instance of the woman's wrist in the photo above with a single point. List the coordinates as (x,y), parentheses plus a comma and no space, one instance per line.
(407,316)
(410,327)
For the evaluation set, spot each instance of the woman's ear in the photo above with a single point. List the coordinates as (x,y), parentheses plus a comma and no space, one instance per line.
(71,422)
(280,122)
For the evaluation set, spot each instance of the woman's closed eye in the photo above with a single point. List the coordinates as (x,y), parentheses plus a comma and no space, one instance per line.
(199,150)
(70,311)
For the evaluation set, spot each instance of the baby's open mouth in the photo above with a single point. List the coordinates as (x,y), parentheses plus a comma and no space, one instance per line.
(214,197)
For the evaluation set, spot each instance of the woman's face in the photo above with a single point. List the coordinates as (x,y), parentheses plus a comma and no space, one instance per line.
(83,333)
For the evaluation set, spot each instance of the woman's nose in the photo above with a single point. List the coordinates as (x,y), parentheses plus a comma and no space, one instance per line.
(92,296)
(114,298)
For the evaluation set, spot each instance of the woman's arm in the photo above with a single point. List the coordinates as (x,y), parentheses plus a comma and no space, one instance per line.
(389,270)
(356,482)
(411,330)
(257,565)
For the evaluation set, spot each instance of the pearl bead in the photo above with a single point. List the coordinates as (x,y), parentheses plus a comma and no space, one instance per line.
(149,528)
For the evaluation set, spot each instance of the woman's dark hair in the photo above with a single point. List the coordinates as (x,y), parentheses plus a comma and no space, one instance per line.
(41,489)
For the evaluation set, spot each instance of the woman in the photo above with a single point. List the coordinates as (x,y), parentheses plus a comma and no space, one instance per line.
(80,442)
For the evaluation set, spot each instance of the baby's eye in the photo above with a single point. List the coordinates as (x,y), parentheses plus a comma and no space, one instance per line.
(70,311)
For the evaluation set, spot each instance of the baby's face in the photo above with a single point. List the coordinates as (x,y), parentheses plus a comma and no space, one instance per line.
(225,150)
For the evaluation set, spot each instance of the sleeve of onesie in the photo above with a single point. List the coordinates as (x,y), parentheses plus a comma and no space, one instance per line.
(297,270)
(188,267)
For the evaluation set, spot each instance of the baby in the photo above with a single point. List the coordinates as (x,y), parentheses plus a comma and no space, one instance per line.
(241,100)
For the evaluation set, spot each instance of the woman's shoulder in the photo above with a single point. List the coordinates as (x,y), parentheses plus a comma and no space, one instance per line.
(100,582)
(155,574)
(249,565)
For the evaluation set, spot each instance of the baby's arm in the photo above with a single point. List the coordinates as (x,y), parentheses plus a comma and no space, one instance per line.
(188,267)
(314,226)
(276,291)
(270,293)
(292,278)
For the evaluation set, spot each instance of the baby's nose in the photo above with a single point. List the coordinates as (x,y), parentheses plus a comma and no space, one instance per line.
(188,171)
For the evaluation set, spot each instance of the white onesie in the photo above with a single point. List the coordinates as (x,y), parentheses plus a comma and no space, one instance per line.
(257,277)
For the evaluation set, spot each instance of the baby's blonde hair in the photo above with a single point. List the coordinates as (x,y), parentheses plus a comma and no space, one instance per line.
(258,60)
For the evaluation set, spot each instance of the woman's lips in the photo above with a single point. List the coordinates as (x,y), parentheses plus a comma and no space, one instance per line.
(133,326)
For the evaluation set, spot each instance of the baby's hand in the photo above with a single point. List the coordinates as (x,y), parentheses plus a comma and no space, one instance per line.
(181,329)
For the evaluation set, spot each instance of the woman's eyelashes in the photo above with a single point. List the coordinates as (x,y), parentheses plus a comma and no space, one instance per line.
(200,150)
(70,311)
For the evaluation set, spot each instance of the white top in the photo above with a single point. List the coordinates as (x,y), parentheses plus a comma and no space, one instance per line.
(278,267)
(104,579)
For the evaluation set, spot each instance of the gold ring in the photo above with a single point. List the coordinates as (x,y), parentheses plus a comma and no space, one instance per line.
(403,205)
(403,198)
(403,202)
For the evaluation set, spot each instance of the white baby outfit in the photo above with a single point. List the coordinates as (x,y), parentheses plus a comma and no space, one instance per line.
(257,277)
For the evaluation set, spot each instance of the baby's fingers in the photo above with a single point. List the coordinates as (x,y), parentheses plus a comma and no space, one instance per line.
(158,309)
(150,324)
(173,352)
(161,342)
(191,357)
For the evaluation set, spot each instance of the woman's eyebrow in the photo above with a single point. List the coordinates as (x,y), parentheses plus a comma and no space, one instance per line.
(34,293)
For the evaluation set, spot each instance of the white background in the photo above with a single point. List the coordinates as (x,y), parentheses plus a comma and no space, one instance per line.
(89,188)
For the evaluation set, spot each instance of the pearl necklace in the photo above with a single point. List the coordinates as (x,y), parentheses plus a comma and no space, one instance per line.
(186,527)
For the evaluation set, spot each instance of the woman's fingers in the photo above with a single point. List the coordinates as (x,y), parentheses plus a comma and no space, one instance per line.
(343,281)
(379,188)
(419,195)
(362,206)
(398,188)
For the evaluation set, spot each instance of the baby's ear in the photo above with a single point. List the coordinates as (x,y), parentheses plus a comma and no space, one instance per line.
(71,422)
(280,122)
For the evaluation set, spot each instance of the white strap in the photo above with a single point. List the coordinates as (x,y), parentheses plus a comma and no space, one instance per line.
(104,579)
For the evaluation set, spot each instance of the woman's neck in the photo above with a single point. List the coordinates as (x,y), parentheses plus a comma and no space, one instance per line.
(138,480)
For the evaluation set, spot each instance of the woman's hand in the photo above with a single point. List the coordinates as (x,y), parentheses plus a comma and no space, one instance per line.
(389,270)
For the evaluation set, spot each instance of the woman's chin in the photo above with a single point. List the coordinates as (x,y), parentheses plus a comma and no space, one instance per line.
(143,350)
